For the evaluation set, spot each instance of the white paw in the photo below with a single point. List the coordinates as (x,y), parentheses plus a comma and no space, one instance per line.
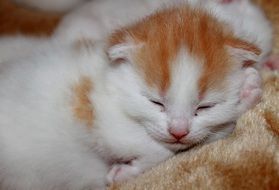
(251,91)
(122,172)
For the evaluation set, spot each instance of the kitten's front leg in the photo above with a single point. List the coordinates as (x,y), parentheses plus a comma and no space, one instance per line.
(125,171)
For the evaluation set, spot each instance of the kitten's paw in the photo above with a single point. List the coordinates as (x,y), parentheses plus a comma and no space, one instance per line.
(122,172)
(251,91)
(272,63)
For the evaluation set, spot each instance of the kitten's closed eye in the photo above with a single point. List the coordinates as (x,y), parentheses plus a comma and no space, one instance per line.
(158,103)
(204,107)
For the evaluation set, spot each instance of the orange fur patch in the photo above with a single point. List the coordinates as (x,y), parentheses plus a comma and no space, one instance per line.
(165,32)
(82,106)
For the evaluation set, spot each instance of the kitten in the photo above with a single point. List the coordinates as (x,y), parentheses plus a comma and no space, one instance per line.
(175,77)
(67,113)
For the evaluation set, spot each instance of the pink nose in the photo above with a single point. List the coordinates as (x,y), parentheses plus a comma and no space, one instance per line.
(178,134)
(179,129)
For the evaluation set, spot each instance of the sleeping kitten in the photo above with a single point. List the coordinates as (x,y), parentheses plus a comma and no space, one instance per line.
(175,77)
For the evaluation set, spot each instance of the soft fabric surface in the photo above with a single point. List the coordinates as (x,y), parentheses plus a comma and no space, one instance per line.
(248,159)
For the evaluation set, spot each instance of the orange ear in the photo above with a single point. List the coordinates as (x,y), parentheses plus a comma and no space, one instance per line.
(244,52)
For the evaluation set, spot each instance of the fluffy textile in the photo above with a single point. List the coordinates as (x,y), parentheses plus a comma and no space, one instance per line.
(248,159)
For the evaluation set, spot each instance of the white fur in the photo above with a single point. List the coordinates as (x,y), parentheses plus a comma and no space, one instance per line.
(43,146)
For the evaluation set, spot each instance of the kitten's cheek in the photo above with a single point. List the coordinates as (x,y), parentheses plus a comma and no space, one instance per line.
(195,123)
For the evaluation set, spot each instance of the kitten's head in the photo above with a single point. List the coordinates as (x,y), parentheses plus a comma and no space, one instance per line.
(181,73)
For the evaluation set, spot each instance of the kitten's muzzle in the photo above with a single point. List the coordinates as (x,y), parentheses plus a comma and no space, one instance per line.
(179,128)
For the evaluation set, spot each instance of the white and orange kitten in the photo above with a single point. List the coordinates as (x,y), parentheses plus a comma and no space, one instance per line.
(78,116)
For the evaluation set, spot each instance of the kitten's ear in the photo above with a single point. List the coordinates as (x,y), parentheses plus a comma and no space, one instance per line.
(122,46)
(245,53)
(122,52)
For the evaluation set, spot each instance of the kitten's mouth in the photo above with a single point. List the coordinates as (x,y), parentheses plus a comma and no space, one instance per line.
(180,146)
(174,142)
